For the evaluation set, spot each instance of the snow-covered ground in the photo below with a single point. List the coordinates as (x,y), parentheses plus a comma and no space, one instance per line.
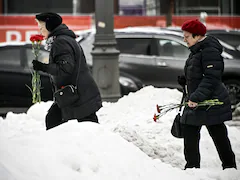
(127,144)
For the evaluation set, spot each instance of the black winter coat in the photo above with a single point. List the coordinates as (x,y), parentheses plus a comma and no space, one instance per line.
(65,54)
(203,71)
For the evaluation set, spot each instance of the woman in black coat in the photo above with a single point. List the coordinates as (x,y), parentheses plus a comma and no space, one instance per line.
(203,72)
(67,66)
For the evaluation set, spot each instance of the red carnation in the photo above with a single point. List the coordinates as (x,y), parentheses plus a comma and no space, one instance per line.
(155,117)
(158,109)
(36,37)
(36,81)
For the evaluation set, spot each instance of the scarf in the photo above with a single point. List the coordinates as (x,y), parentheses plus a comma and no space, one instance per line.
(49,42)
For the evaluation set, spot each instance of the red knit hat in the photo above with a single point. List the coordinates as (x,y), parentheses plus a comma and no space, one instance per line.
(194,27)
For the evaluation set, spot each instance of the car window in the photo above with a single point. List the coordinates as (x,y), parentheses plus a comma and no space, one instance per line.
(134,45)
(172,49)
(231,39)
(43,56)
(10,56)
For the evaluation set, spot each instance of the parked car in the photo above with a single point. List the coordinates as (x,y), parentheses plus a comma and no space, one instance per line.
(229,39)
(15,76)
(232,37)
(158,56)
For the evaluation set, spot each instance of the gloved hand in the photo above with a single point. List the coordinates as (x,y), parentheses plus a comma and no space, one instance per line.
(182,80)
(38,66)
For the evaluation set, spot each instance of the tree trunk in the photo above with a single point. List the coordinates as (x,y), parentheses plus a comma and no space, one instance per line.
(116,7)
(170,5)
(1,6)
(88,6)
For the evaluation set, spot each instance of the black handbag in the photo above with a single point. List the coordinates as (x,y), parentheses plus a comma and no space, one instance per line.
(177,127)
(66,96)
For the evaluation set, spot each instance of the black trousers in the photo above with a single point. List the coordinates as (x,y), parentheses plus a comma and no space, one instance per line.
(54,117)
(220,138)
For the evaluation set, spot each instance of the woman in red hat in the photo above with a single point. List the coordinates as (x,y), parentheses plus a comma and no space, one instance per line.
(203,76)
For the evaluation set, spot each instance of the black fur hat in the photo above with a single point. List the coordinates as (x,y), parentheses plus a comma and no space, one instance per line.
(52,20)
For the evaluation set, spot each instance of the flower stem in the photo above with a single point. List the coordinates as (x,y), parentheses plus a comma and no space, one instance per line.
(36,86)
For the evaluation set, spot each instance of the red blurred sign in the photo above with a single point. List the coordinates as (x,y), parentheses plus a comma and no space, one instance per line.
(126,21)
(20,28)
(212,22)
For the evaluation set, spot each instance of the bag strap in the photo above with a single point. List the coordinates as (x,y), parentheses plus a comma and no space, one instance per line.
(183,97)
(78,60)
(77,69)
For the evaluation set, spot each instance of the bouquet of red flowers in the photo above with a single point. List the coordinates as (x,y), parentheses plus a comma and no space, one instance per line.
(36,81)
(162,110)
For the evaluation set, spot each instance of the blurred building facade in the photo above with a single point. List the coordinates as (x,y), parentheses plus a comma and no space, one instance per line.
(123,7)
(60,6)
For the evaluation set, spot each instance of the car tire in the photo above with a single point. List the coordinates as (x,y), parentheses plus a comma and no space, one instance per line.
(233,88)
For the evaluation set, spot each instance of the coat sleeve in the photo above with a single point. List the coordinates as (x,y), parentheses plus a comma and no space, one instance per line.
(63,59)
(213,65)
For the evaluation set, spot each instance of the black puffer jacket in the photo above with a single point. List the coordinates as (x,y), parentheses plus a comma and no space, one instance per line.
(64,57)
(203,72)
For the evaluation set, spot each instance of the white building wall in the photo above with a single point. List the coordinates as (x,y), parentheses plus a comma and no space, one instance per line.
(130,2)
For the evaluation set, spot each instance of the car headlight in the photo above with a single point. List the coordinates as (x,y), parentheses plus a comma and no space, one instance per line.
(127,82)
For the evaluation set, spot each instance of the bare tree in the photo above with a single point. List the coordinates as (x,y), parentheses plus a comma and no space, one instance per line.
(88,6)
(170,11)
